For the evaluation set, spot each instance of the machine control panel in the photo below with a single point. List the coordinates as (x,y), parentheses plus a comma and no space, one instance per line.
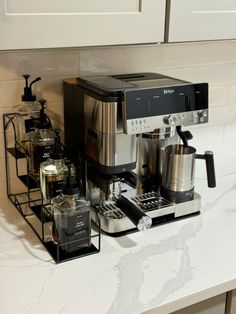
(149,124)
(145,110)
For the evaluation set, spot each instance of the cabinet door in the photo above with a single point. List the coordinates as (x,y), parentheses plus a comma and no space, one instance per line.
(202,20)
(73,23)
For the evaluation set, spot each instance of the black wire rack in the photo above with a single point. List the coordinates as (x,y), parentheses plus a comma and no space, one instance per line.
(28,200)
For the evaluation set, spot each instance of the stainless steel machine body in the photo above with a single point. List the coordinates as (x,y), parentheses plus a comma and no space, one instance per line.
(106,142)
(116,128)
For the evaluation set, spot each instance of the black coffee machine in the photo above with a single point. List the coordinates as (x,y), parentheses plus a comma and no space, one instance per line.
(117,128)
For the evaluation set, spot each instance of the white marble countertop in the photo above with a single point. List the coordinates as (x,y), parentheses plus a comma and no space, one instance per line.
(159,271)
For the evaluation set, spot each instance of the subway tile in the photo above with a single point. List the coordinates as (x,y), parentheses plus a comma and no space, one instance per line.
(38,63)
(187,54)
(10,93)
(222,114)
(120,59)
(216,73)
(233,57)
(232,93)
(11,65)
(141,58)
(4,110)
(205,134)
(51,89)
(55,111)
(185,73)
(230,131)
(218,94)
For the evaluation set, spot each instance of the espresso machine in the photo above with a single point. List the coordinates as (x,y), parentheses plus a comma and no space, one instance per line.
(125,135)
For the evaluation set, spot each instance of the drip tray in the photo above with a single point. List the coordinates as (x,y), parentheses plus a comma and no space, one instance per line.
(114,221)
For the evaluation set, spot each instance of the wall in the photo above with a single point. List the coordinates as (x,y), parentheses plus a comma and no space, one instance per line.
(212,62)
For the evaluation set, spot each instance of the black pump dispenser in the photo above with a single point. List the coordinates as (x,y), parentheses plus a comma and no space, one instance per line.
(70,187)
(28,96)
(57,152)
(43,122)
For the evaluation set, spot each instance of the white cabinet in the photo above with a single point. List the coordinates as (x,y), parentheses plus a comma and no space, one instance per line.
(191,20)
(74,23)
(215,305)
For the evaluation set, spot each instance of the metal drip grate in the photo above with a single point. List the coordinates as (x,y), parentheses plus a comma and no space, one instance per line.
(162,82)
(150,201)
(146,202)
(110,210)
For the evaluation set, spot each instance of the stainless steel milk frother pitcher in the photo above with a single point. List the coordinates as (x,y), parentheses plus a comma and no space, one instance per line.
(178,172)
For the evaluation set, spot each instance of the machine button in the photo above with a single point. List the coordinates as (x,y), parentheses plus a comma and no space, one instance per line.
(142,121)
(203,116)
(134,122)
(170,120)
(195,117)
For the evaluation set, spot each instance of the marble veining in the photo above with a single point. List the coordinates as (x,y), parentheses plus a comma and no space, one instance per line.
(163,269)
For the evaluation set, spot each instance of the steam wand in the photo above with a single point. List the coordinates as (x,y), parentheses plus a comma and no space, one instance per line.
(185,136)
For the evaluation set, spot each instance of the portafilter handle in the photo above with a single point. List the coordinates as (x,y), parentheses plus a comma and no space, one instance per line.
(210,167)
(136,215)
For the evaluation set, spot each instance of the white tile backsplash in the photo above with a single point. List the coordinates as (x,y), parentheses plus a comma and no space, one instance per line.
(183,73)
(230,131)
(206,135)
(222,114)
(189,54)
(121,59)
(51,89)
(10,93)
(212,62)
(219,94)
(216,73)
(49,63)
(232,93)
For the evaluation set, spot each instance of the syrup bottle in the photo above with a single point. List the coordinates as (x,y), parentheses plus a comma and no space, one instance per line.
(26,114)
(42,140)
(52,172)
(72,220)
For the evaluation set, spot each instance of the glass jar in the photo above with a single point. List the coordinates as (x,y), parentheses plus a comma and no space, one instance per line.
(52,176)
(72,222)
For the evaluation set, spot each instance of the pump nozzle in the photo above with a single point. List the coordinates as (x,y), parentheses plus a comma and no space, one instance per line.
(35,80)
(26,77)
(44,122)
(28,96)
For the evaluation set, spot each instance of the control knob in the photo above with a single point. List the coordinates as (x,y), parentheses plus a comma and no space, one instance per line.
(170,120)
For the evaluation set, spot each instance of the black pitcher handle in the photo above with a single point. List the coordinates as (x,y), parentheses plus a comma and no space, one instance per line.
(210,167)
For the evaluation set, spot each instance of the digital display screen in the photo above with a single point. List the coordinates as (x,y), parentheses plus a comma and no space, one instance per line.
(164,101)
